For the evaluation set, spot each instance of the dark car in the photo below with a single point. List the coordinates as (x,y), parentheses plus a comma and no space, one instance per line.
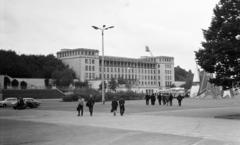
(28,103)
(31,103)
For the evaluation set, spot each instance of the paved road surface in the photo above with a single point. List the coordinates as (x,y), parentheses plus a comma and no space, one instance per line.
(185,126)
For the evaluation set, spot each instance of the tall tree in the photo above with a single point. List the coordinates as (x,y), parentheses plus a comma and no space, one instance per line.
(112,84)
(23,85)
(63,77)
(221,49)
(15,83)
(7,82)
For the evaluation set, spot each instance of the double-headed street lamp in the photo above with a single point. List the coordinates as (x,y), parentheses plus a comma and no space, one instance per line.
(102,69)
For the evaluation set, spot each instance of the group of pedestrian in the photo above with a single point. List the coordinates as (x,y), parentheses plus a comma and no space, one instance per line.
(90,103)
(163,98)
(115,103)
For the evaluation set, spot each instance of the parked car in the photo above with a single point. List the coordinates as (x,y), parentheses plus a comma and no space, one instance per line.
(8,102)
(31,103)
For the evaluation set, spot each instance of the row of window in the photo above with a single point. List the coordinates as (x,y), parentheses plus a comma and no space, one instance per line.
(166,59)
(128,70)
(109,76)
(168,78)
(127,64)
(168,72)
(168,83)
(168,66)
(90,76)
(72,53)
(147,83)
(89,68)
(89,61)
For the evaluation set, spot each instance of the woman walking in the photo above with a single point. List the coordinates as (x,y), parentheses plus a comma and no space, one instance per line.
(80,106)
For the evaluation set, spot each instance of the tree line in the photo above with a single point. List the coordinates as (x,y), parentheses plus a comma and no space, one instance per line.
(35,66)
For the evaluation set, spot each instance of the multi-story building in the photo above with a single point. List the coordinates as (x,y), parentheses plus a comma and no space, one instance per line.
(143,74)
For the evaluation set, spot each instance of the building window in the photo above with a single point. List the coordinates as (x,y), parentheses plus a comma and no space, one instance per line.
(86,68)
(90,76)
(93,68)
(93,61)
(86,61)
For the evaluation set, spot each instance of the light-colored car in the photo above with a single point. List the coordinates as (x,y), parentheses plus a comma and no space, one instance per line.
(8,102)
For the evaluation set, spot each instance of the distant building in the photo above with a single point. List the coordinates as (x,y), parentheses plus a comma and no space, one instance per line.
(145,74)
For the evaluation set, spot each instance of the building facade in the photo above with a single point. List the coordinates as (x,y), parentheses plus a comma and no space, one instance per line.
(143,74)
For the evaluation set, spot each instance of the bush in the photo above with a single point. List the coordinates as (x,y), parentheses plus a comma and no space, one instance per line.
(70,98)
(129,95)
(85,92)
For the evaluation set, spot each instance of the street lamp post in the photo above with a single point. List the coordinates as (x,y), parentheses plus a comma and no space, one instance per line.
(102,70)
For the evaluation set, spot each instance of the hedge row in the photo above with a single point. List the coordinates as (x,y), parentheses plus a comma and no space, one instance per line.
(85,92)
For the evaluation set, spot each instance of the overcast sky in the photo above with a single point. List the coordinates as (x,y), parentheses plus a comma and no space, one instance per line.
(168,27)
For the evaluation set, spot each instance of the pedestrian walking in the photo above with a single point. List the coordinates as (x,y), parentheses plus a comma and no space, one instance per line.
(114,106)
(170,99)
(80,106)
(90,104)
(164,99)
(159,97)
(147,98)
(122,106)
(153,99)
(179,98)
(167,99)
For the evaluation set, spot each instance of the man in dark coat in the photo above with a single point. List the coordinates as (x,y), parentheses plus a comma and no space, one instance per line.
(153,99)
(159,99)
(170,99)
(147,98)
(90,104)
(114,106)
(20,104)
(167,98)
(179,98)
(122,106)
(164,99)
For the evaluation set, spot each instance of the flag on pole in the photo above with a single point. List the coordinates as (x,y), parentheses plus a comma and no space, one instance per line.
(147,49)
